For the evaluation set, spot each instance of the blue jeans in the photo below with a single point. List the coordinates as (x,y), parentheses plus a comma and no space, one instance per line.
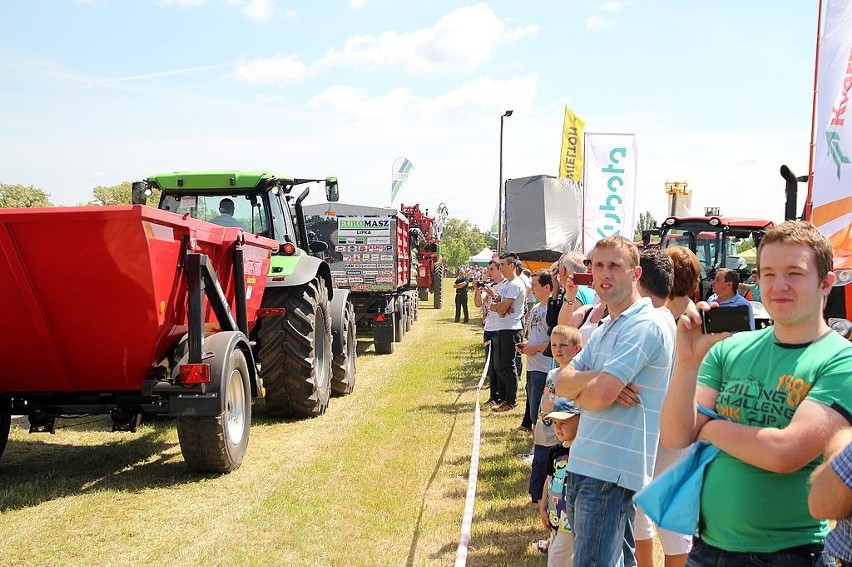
(705,555)
(535,388)
(602,516)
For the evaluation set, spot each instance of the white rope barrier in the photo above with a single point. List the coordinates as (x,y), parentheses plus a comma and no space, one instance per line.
(467,519)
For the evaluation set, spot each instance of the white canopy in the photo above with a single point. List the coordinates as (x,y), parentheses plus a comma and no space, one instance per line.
(482,258)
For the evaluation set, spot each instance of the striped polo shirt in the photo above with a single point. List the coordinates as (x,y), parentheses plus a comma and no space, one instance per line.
(619,444)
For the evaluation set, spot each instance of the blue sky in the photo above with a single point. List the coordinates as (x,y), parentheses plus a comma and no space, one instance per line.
(95,92)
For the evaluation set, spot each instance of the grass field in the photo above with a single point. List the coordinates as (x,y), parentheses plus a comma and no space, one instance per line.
(380,479)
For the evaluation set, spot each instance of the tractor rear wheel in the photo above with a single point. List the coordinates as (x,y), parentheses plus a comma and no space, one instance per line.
(438,285)
(343,364)
(217,444)
(295,350)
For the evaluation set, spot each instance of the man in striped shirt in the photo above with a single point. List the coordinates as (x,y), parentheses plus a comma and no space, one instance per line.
(619,380)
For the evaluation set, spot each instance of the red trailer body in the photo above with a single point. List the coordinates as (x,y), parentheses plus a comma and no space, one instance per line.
(93,297)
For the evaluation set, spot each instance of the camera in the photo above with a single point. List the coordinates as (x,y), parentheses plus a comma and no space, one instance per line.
(582,278)
(480,283)
(731,319)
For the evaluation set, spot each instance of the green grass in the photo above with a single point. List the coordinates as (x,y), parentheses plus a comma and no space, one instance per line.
(380,479)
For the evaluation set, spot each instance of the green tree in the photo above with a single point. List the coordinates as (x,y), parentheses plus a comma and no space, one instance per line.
(120,194)
(746,244)
(646,222)
(21,196)
(461,240)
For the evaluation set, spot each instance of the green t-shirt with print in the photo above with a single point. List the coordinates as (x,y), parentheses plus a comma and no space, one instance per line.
(761,383)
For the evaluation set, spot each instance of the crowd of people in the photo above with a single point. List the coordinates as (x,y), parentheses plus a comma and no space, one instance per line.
(616,372)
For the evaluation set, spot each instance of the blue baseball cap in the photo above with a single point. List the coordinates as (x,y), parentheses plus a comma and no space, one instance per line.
(563,409)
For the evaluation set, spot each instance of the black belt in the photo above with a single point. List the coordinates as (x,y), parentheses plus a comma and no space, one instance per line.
(809,549)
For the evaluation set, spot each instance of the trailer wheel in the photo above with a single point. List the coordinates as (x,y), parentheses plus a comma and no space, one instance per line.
(416,307)
(399,323)
(296,352)
(5,426)
(423,292)
(438,285)
(343,364)
(384,348)
(218,444)
(408,315)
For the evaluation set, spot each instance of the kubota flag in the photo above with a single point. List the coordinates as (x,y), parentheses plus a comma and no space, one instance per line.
(609,198)
(832,180)
(571,155)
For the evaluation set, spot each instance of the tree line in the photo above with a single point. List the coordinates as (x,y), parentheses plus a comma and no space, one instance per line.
(17,196)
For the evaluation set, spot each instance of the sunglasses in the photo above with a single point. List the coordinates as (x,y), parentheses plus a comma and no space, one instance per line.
(587,262)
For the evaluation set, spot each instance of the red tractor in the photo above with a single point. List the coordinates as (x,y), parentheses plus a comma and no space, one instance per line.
(426,234)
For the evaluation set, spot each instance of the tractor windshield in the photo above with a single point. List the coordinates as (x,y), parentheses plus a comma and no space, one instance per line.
(246,211)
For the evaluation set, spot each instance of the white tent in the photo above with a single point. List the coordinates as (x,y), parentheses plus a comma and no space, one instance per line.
(482,258)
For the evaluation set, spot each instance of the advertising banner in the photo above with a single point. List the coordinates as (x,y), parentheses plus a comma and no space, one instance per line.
(832,180)
(571,155)
(401,169)
(609,204)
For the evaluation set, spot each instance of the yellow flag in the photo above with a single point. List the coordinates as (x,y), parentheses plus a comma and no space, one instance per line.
(571,156)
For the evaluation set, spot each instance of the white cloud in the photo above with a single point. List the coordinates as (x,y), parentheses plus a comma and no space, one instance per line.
(183,3)
(482,95)
(462,39)
(256,10)
(357,4)
(272,70)
(605,17)
(597,23)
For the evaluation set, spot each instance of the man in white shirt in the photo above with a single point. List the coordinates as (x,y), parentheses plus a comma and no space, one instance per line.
(509,305)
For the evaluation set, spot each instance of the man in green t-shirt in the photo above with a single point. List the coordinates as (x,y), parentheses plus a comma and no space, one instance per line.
(783,390)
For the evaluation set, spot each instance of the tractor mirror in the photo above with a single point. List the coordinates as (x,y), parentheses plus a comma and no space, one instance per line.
(332,193)
(317,246)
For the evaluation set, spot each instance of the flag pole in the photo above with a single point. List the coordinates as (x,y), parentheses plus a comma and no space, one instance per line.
(809,204)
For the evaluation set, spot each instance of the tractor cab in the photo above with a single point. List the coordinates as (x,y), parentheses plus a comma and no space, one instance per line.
(714,241)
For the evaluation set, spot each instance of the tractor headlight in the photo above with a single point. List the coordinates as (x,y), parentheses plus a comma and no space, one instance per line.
(843,277)
(842,326)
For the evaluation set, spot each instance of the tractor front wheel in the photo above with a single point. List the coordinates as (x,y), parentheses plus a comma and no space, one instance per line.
(218,444)
(296,350)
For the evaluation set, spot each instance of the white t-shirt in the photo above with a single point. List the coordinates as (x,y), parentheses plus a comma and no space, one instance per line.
(513,289)
(538,335)
(492,319)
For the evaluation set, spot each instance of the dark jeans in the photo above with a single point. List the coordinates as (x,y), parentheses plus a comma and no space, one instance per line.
(461,304)
(535,388)
(505,354)
(705,555)
(493,366)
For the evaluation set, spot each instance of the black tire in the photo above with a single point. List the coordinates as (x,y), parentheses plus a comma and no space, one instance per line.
(416,307)
(438,285)
(408,314)
(384,348)
(423,293)
(399,324)
(295,351)
(5,426)
(218,444)
(343,364)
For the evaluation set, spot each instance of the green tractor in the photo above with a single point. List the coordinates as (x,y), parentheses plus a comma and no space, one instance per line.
(304,339)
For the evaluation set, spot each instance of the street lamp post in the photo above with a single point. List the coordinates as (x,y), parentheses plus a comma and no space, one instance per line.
(500,191)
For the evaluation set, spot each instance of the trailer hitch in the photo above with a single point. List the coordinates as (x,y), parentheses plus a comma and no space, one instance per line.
(41,422)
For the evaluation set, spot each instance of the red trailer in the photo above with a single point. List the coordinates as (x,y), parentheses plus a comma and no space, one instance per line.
(127,311)
(430,269)
(370,254)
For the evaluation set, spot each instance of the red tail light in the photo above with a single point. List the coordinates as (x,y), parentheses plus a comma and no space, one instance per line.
(380,318)
(289,248)
(195,374)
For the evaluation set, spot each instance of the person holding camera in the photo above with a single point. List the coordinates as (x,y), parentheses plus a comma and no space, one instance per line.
(725,287)
(783,391)
(485,292)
